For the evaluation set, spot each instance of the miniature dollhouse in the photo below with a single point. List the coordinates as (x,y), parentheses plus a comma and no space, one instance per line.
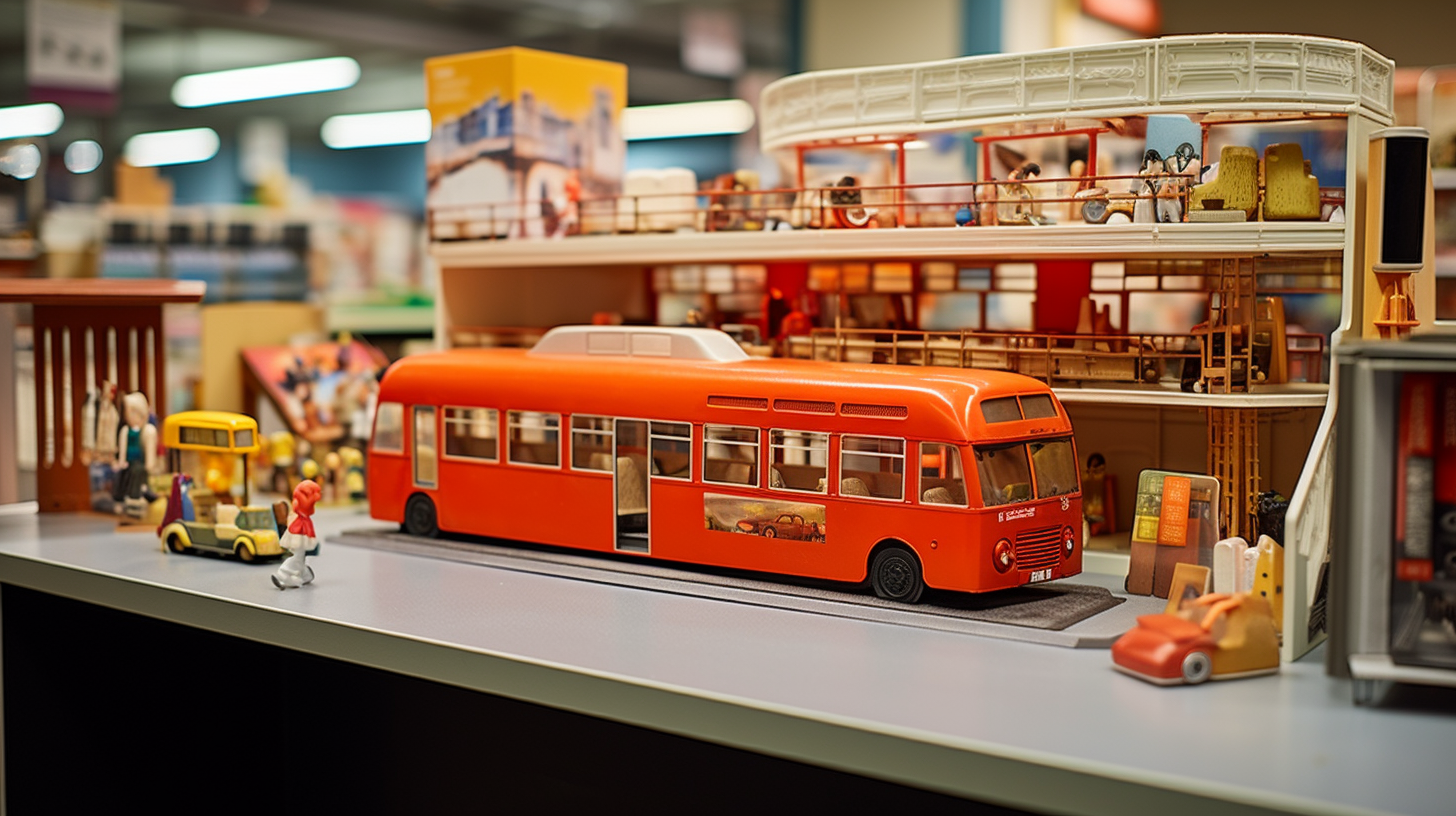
(1243,210)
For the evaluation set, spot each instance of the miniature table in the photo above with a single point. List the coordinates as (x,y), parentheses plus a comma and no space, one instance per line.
(1019,725)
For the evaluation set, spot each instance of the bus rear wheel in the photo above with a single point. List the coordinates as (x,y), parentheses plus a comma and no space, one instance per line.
(895,575)
(419,517)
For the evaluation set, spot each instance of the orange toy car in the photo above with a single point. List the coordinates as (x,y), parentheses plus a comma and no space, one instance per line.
(1215,636)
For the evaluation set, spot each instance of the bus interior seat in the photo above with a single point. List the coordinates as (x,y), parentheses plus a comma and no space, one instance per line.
(227,514)
(776,478)
(853,486)
(938,495)
(631,490)
(1016,491)
(599,460)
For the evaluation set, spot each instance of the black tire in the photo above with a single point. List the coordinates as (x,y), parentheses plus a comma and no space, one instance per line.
(1197,667)
(245,550)
(895,576)
(419,517)
(174,543)
(769,532)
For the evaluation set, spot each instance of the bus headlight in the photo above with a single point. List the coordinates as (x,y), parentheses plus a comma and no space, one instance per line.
(1069,542)
(1002,556)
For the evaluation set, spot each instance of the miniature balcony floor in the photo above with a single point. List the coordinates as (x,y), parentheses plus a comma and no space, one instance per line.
(1022,725)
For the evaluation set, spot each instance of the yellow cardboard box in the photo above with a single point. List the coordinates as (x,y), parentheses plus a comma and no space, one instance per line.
(519,136)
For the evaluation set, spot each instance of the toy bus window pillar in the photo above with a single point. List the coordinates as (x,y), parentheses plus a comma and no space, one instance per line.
(872,466)
(591,443)
(942,481)
(1055,465)
(471,433)
(730,455)
(389,427)
(1005,473)
(672,450)
(425,455)
(798,460)
(534,438)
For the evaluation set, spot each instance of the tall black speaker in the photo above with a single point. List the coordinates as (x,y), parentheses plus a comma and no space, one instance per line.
(1398,224)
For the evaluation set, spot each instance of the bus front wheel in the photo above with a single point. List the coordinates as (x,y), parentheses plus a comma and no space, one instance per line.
(419,517)
(895,576)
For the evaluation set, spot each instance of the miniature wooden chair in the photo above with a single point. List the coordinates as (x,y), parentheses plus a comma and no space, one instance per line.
(1237,185)
(1290,193)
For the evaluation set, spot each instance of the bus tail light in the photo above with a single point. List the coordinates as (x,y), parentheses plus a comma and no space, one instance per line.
(1002,556)
(1069,542)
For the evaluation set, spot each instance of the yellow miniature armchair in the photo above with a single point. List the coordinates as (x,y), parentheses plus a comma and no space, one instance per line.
(1237,185)
(1290,192)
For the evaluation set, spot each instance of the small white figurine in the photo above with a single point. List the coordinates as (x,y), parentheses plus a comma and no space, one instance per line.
(299,538)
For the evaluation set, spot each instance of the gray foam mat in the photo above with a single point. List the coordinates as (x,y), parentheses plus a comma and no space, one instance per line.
(1069,613)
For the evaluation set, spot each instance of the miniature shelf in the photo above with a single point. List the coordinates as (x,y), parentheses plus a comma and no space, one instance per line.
(913,706)
(1088,241)
(1293,395)
(1258,73)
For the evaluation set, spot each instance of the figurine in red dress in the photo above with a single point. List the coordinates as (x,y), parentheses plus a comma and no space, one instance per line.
(299,538)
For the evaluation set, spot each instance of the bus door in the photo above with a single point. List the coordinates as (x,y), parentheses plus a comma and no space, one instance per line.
(629,477)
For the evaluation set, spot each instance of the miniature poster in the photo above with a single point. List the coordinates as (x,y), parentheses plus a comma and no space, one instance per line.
(792,520)
(1175,520)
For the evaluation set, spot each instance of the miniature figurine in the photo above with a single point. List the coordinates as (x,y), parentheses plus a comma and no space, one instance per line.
(136,445)
(299,538)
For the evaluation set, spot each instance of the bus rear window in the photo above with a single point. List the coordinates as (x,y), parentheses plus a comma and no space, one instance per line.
(1001,409)
(1005,473)
(1038,406)
(389,427)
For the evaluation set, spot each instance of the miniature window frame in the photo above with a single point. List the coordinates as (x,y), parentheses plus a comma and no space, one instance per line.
(425,450)
(710,438)
(456,416)
(607,430)
(389,414)
(845,441)
(547,424)
(946,448)
(817,441)
(674,438)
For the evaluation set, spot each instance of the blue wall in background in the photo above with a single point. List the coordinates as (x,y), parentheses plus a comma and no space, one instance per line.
(391,174)
(708,156)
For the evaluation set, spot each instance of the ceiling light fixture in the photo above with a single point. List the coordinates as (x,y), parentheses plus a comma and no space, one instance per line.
(348,131)
(719,117)
(171,147)
(265,82)
(25,121)
(82,156)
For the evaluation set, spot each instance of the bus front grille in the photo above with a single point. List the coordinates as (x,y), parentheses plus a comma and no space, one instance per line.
(1038,549)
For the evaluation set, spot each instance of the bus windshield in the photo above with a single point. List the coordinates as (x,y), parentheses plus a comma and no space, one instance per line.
(1006,470)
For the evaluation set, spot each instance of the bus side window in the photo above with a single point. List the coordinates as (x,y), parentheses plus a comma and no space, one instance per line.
(471,433)
(389,428)
(533,438)
(591,443)
(425,456)
(872,466)
(941,478)
(798,460)
(1004,472)
(672,450)
(730,455)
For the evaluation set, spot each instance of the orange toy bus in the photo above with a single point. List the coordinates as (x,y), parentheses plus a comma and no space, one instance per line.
(675,444)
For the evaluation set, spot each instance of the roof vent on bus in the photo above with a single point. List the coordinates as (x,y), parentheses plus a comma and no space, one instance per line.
(804,406)
(663,342)
(864,409)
